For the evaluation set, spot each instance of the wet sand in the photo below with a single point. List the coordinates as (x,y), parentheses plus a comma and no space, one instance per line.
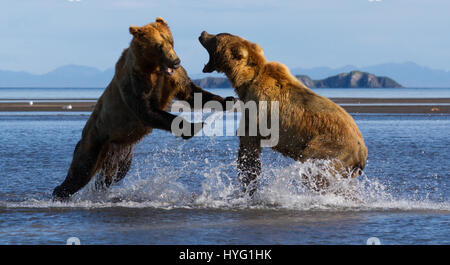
(352,105)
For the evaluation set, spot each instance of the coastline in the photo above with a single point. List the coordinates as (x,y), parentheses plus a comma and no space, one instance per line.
(351,105)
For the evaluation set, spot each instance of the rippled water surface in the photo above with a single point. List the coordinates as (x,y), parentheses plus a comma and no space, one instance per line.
(186,192)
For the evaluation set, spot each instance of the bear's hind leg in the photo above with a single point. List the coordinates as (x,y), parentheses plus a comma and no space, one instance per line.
(320,181)
(124,164)
(117,163)
(82,168)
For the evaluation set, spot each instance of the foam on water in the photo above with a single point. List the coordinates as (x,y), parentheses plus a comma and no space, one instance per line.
(282,188)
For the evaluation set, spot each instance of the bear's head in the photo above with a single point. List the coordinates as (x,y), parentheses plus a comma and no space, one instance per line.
(152,44)
(228,53)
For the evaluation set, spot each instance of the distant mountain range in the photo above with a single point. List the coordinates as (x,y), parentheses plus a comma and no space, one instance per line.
(353,79)
(408,74)
(213,82)
(64,76)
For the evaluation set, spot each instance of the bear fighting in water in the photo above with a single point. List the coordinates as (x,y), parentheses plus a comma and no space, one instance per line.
(310,126)
(147,77)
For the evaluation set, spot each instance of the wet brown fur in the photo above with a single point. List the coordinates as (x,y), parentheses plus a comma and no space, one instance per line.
(311,126)
(130,107)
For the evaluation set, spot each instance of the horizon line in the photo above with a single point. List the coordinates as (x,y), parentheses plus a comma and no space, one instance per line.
(295,67)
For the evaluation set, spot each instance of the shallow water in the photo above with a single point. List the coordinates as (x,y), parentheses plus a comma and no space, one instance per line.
(186,192)
(14,94)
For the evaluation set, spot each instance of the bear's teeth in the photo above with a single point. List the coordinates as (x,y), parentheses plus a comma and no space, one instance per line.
(169,71)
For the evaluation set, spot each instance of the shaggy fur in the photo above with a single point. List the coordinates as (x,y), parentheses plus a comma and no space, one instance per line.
(147,77)
(311,126)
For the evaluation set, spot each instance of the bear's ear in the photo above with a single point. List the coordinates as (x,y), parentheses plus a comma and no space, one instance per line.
(258,49)
(135,30)
(239,52)
(161,20)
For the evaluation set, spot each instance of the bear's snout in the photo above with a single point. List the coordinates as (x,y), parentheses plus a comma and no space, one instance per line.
(176,63)
(205,37)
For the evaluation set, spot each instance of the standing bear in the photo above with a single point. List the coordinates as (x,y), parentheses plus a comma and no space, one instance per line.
(310,126)
(147,77)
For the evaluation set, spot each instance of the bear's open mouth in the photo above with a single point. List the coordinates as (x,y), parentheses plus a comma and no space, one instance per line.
(207,41)
(169,70)
(209,67)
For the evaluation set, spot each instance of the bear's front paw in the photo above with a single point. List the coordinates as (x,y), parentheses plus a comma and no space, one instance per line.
(195,128)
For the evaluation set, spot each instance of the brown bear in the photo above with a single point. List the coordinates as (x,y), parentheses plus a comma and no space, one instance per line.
(310,126)
(147,77)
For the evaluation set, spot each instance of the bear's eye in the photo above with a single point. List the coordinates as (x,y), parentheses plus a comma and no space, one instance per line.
(159,47)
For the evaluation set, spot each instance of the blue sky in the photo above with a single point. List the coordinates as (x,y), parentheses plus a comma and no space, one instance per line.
(40,35)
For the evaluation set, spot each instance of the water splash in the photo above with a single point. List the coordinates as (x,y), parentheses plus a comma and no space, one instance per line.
(287,188)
